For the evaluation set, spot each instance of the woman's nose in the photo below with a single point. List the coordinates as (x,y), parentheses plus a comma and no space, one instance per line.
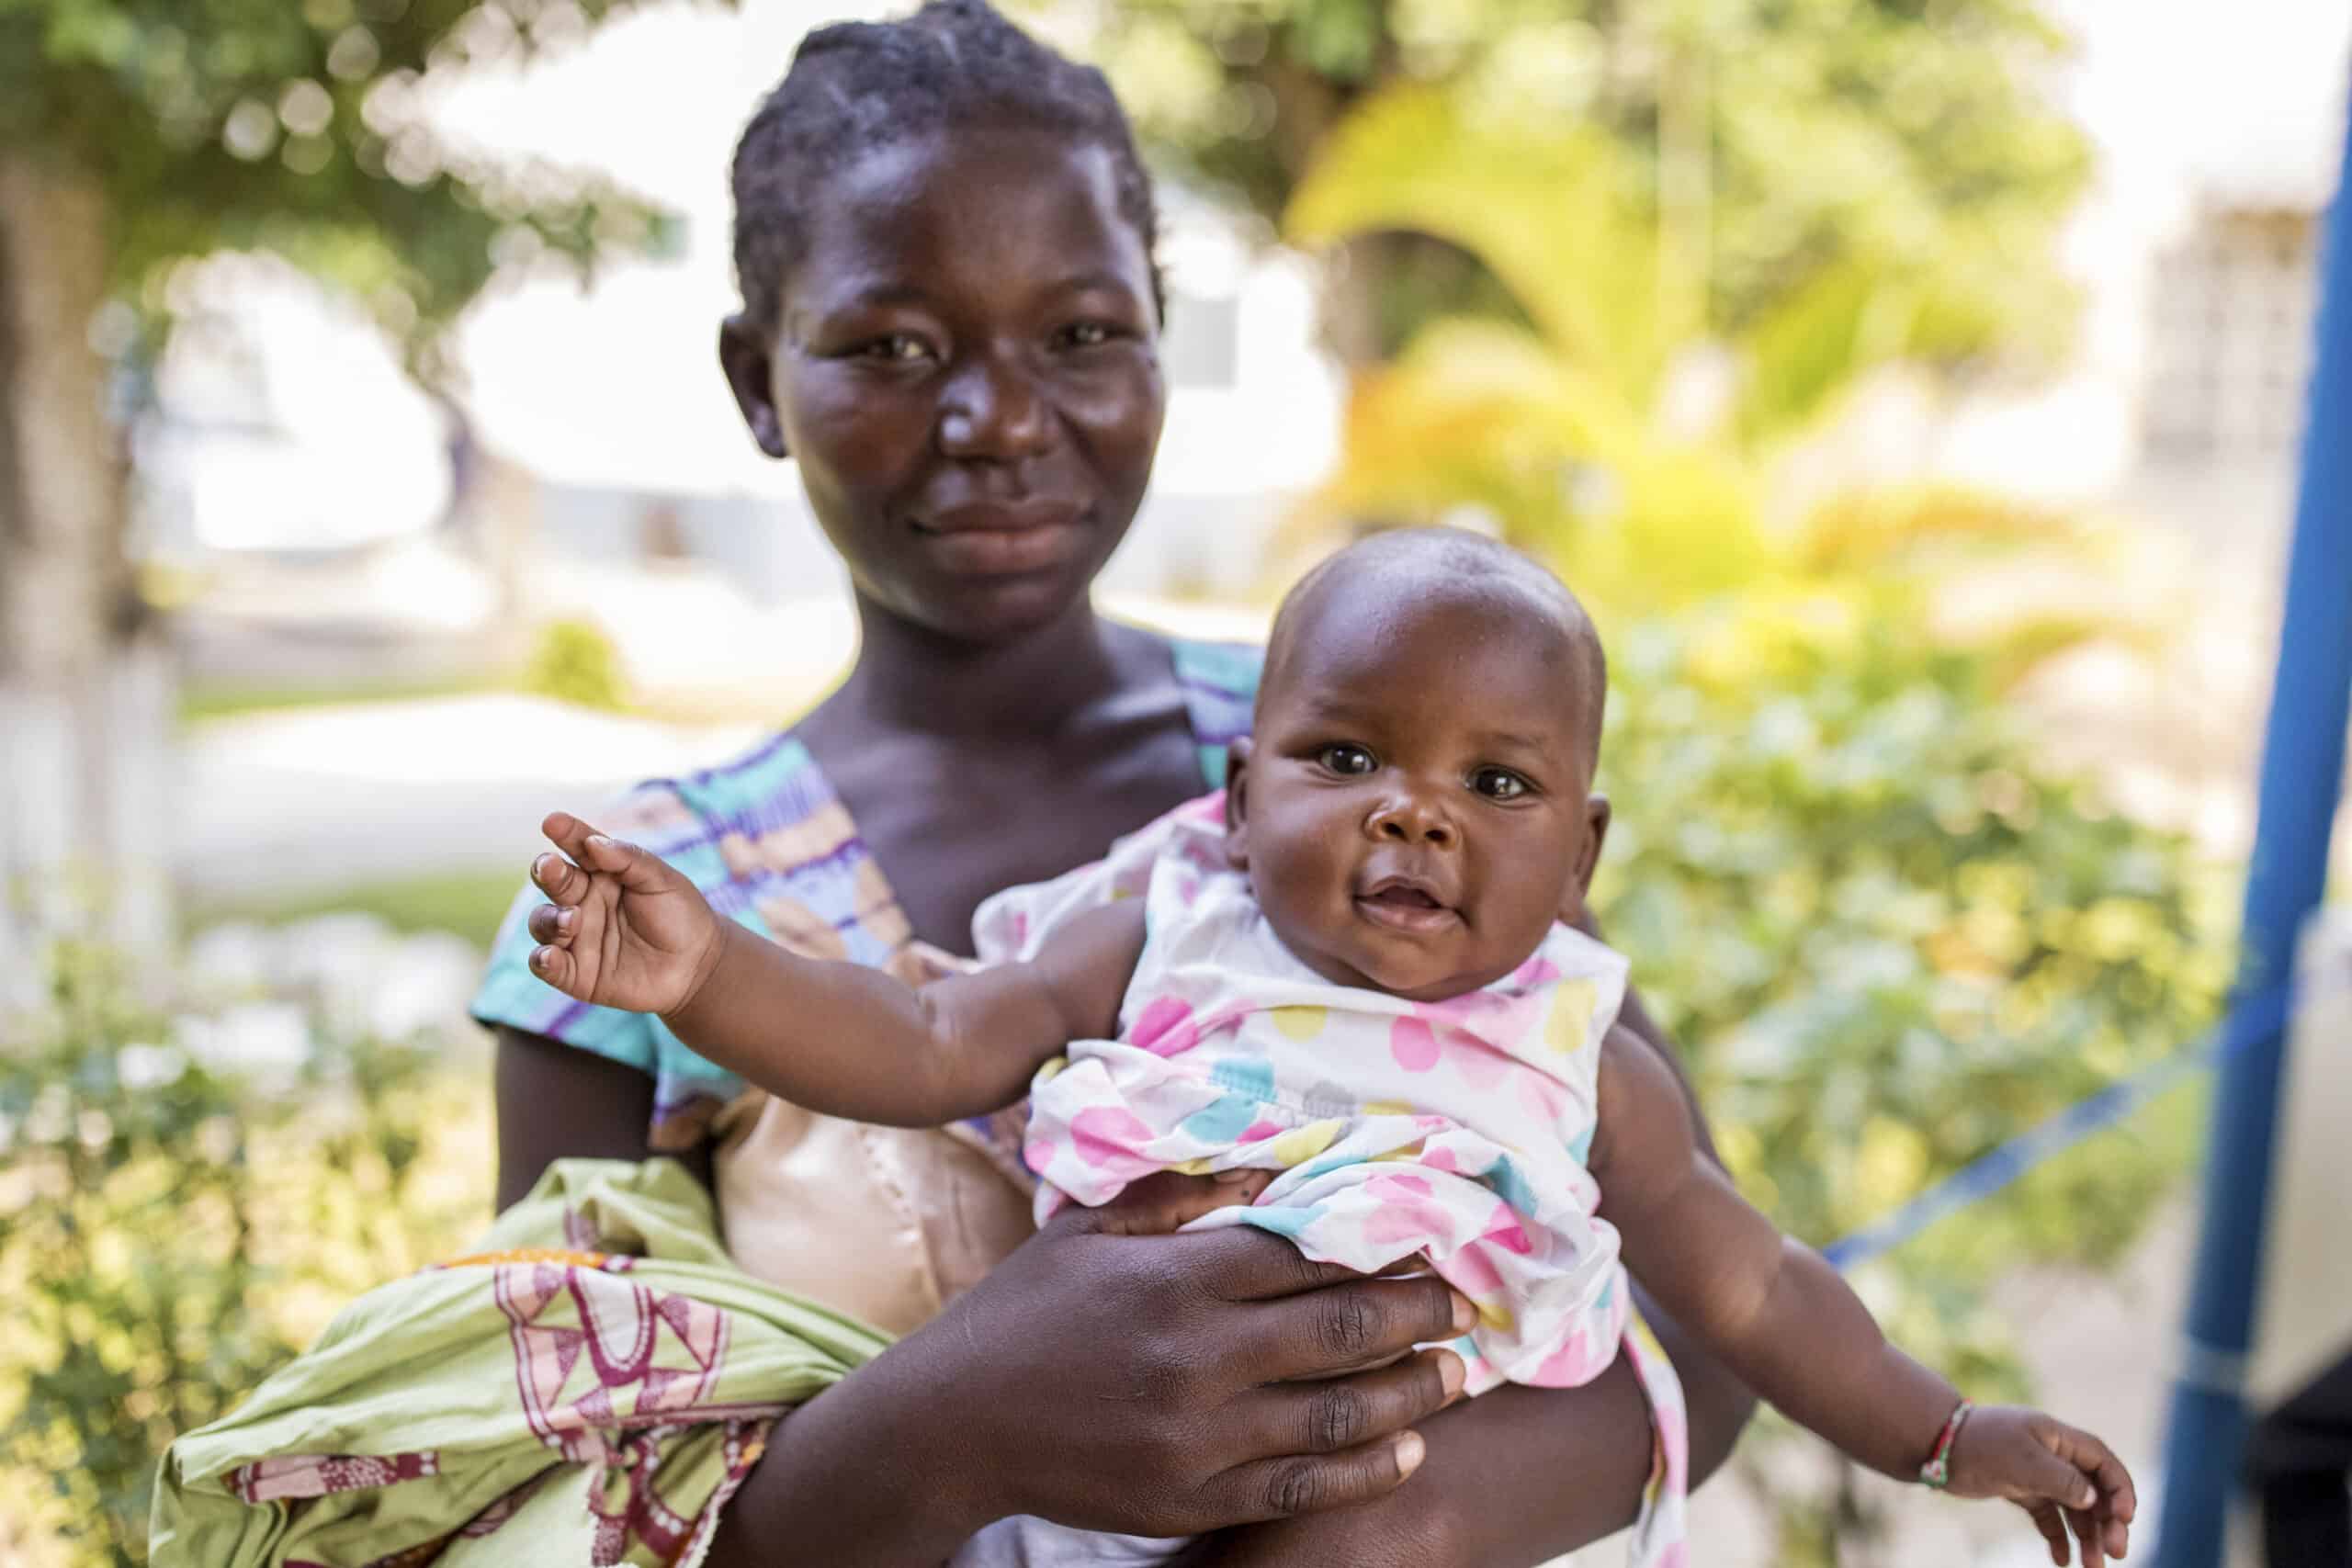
(991,411)
(1411,819)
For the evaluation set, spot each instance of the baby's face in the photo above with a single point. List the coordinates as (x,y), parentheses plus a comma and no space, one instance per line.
(1416,810)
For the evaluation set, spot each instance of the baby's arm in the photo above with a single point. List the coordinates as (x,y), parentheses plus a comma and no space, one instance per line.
(627,931)
(1789,1325)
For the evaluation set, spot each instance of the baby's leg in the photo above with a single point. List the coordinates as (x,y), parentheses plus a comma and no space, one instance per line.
(1161,1205)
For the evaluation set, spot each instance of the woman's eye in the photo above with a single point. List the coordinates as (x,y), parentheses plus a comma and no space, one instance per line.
(1499,784)
(1349,760)
(1086,334)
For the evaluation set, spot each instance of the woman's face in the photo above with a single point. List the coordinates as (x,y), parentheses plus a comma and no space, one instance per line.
(965,367)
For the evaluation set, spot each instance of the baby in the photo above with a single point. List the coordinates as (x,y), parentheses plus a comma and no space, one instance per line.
(1351,988)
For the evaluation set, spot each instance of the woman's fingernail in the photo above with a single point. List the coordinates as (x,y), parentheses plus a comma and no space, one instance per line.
(1466,1314)
(598,840)
(1410,1451)
(1450,1372)
(539,868)
(566,919)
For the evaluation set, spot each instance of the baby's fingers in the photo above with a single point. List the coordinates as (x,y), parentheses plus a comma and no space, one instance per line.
(2117,1501)
(639,872)
(560,969)
(2052,1526)
(549,924)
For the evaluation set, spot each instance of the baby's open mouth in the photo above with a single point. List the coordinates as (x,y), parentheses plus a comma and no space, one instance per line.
(1400,906)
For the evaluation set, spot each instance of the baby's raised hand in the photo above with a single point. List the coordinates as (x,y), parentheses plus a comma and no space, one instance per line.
(2060,1476)
(626,930)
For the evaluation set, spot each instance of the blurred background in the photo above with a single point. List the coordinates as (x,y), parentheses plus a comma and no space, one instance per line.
(1914,390)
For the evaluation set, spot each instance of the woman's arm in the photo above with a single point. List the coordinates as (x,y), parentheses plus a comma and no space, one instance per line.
(1034,1393)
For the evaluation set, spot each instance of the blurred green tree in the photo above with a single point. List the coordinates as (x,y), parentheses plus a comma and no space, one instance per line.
(136,135)
(1786,141)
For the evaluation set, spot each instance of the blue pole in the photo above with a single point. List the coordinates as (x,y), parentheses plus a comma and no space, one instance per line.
(2302,767)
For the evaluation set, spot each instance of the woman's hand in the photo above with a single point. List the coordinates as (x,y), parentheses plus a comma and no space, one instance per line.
(625,931)
(1166,1385)
(1154,1386)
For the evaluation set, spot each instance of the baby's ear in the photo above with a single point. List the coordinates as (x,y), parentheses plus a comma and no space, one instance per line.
(1237,804)
(1596,826)
(745,355)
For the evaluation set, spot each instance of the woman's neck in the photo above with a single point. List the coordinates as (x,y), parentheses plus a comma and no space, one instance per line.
(909,678)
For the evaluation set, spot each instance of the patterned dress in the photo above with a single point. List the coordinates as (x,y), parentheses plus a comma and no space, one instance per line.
(1455,1130)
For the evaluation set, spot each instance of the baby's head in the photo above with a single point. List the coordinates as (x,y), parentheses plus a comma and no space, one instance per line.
(1415,808)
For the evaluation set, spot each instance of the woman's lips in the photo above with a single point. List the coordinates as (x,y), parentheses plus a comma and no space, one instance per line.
(1004,540)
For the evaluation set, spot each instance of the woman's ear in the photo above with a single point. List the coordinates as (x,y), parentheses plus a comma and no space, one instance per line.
(750,363)
(1237,804)
(1596,832)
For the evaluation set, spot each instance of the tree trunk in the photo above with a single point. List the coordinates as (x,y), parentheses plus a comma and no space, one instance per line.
(84,690)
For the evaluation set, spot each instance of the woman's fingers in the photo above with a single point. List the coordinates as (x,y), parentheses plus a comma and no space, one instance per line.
(1361,1323)
(1338,1414)
(1310,1483)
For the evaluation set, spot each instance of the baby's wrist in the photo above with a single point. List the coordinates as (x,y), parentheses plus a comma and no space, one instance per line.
(705,968)
(1935,1471)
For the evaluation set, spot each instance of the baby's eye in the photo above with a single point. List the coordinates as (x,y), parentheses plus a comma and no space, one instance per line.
(1499,784)
(897,348)
(1352,760)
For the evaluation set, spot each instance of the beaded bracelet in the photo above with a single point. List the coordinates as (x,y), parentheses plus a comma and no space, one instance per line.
(1937,1471)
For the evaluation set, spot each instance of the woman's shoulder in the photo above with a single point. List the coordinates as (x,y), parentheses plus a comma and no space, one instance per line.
(1219,681)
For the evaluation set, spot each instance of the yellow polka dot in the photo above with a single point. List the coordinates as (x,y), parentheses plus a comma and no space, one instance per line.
(1569,1025)
(1305,1143)
(1300,1023)
(1495,1316)
(1411,1151)
(1387,1108)
(1201,1166)
(1053,1066)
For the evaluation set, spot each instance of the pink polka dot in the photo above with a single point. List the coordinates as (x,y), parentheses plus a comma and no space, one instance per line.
(1540,1093)
(1165,1027)
(1481,1065)
(1537,971)
(1414,1045)
(1103,1134)
(1416,1220)
(1474,1273)
(1258,1132)
(1571,1364)
(1019,927)
(1440,1159)
(1039,1154)
(1399,1184)
(1505,1231)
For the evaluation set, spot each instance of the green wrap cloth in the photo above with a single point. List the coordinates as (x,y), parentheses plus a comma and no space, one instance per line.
(590,1388)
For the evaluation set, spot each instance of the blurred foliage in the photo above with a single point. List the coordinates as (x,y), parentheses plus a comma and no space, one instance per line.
(1887,941)
(468,904)
(297,130)
(1779,144)
(1648,462)
(173,1227)
(575,662)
